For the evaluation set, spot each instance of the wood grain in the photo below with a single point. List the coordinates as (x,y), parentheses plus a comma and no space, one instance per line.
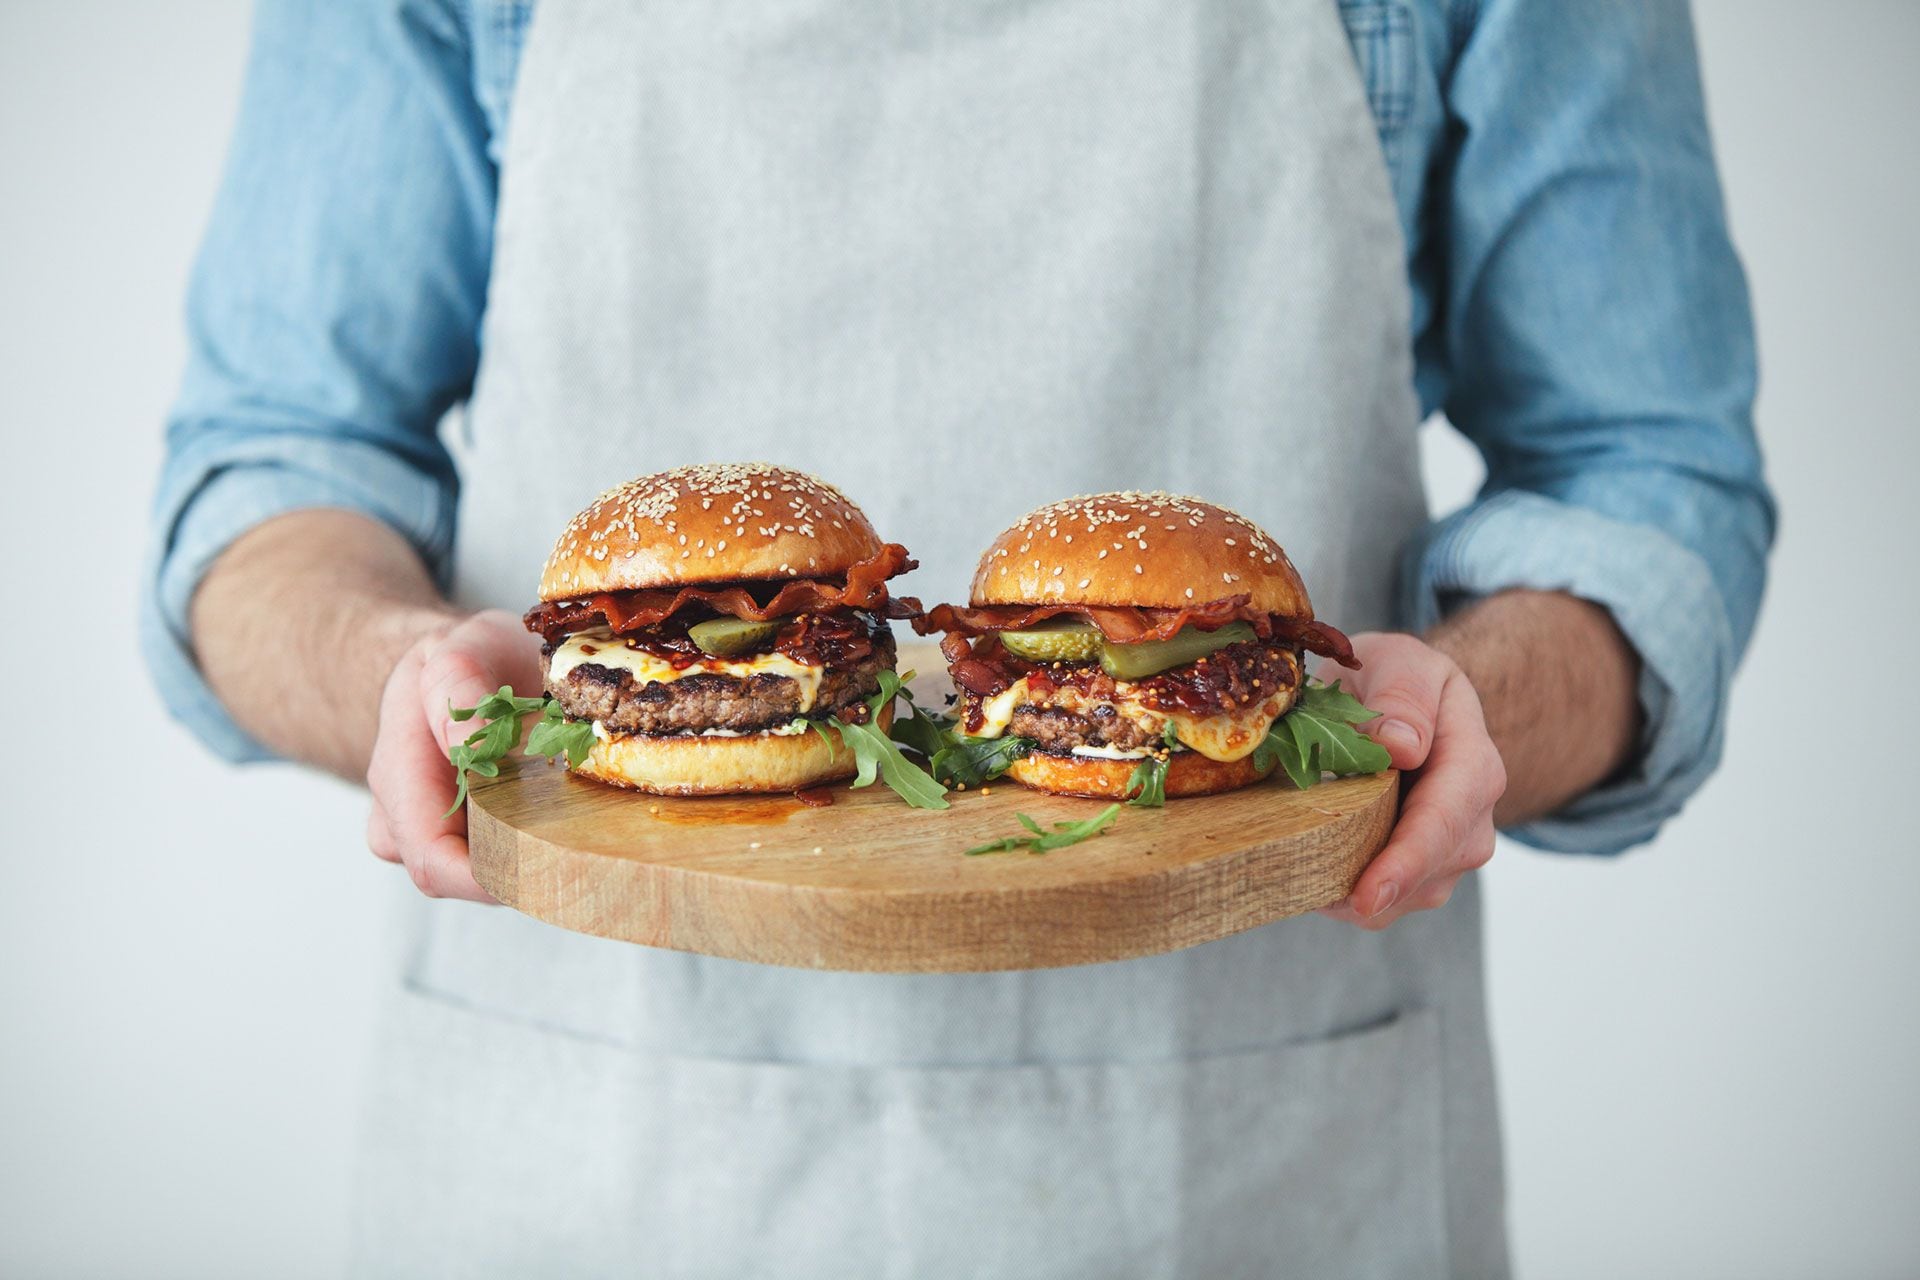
(868,884)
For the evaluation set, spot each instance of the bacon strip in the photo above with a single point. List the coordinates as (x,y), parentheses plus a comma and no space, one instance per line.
(624,612)
(1131,625)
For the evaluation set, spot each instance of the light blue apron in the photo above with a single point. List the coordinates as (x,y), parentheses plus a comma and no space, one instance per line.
(962,257)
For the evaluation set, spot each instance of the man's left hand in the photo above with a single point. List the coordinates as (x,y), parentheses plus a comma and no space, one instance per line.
(1431,724)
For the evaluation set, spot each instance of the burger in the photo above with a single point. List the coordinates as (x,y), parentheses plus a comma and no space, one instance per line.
(1144,645)
(721,629)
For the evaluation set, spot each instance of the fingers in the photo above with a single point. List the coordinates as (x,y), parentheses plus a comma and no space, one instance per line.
(380,835)
(413,786)
(1402,680)
(1446,824)
(471,661)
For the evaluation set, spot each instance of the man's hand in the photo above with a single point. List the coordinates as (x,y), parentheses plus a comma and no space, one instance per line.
(412,782)
(1514,706)
(1430,723)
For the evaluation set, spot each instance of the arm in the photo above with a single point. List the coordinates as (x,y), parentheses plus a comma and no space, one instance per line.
(1584,615)
(323,634)
(305,513)
(299,623)
(1555,679)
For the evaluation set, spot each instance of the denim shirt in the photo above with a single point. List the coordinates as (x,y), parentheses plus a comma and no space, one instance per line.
(1578,313)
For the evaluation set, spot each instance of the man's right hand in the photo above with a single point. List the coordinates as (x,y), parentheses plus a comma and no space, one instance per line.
(411,780)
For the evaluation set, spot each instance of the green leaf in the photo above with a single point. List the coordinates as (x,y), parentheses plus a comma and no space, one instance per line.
(877,756)
(971,762)
(955,758)
(918,732)
(1317,737)
(1041,840)
(505,716)
(1003,845)
(1066,833)
(1282,748)
(554,735)
(1148,783)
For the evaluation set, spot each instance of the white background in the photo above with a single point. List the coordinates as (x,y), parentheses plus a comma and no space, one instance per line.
(1709,1051)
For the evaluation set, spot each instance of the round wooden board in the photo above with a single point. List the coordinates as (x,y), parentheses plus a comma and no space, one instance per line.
(869,884)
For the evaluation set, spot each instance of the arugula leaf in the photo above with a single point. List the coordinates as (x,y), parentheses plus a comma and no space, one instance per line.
(492,742)
(1041,840)
(956,758)
(917,731)
(1150,775)
(970,762)
(877,756)
(1316,737)
(554,735)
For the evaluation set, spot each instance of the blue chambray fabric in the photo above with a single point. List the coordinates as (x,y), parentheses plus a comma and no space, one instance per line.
(1579,313)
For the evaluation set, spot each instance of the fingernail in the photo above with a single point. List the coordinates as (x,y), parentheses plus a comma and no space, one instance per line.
(1389,892)
(1396,735)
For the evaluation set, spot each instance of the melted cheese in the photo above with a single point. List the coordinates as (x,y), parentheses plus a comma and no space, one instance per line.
(1226,737)
(604,649)
(998,710)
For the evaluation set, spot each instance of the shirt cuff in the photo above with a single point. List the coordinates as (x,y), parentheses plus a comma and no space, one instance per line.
(206,503)
(1663,598)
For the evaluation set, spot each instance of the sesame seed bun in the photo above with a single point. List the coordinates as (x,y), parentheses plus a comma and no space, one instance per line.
(1149,550)
(698,765)
(712,523)
(1188,774)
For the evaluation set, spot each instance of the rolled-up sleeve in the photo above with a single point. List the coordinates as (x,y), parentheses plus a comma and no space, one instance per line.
(1599,352)
(334,310)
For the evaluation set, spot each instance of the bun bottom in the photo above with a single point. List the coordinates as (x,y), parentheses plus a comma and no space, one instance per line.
(690,765)
(1188,774)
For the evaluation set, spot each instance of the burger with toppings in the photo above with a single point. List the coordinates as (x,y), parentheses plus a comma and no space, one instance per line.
(1143,645)
(722,629)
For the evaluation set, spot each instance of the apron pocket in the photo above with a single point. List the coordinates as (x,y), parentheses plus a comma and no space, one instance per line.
(499,1148)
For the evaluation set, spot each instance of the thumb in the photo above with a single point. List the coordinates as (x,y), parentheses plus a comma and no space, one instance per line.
(1403,681)
(472,661)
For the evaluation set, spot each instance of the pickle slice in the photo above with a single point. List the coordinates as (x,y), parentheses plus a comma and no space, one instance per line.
(1060,642)
(1151,657)
(724,637)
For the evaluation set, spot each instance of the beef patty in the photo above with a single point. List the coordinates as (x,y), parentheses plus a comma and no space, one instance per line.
(713,701)
(1058,731)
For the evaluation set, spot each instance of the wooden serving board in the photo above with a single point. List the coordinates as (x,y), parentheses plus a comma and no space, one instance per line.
(869,884)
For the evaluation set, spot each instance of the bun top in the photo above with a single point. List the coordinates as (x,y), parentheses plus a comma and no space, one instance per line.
(1149,550)
(711,523)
